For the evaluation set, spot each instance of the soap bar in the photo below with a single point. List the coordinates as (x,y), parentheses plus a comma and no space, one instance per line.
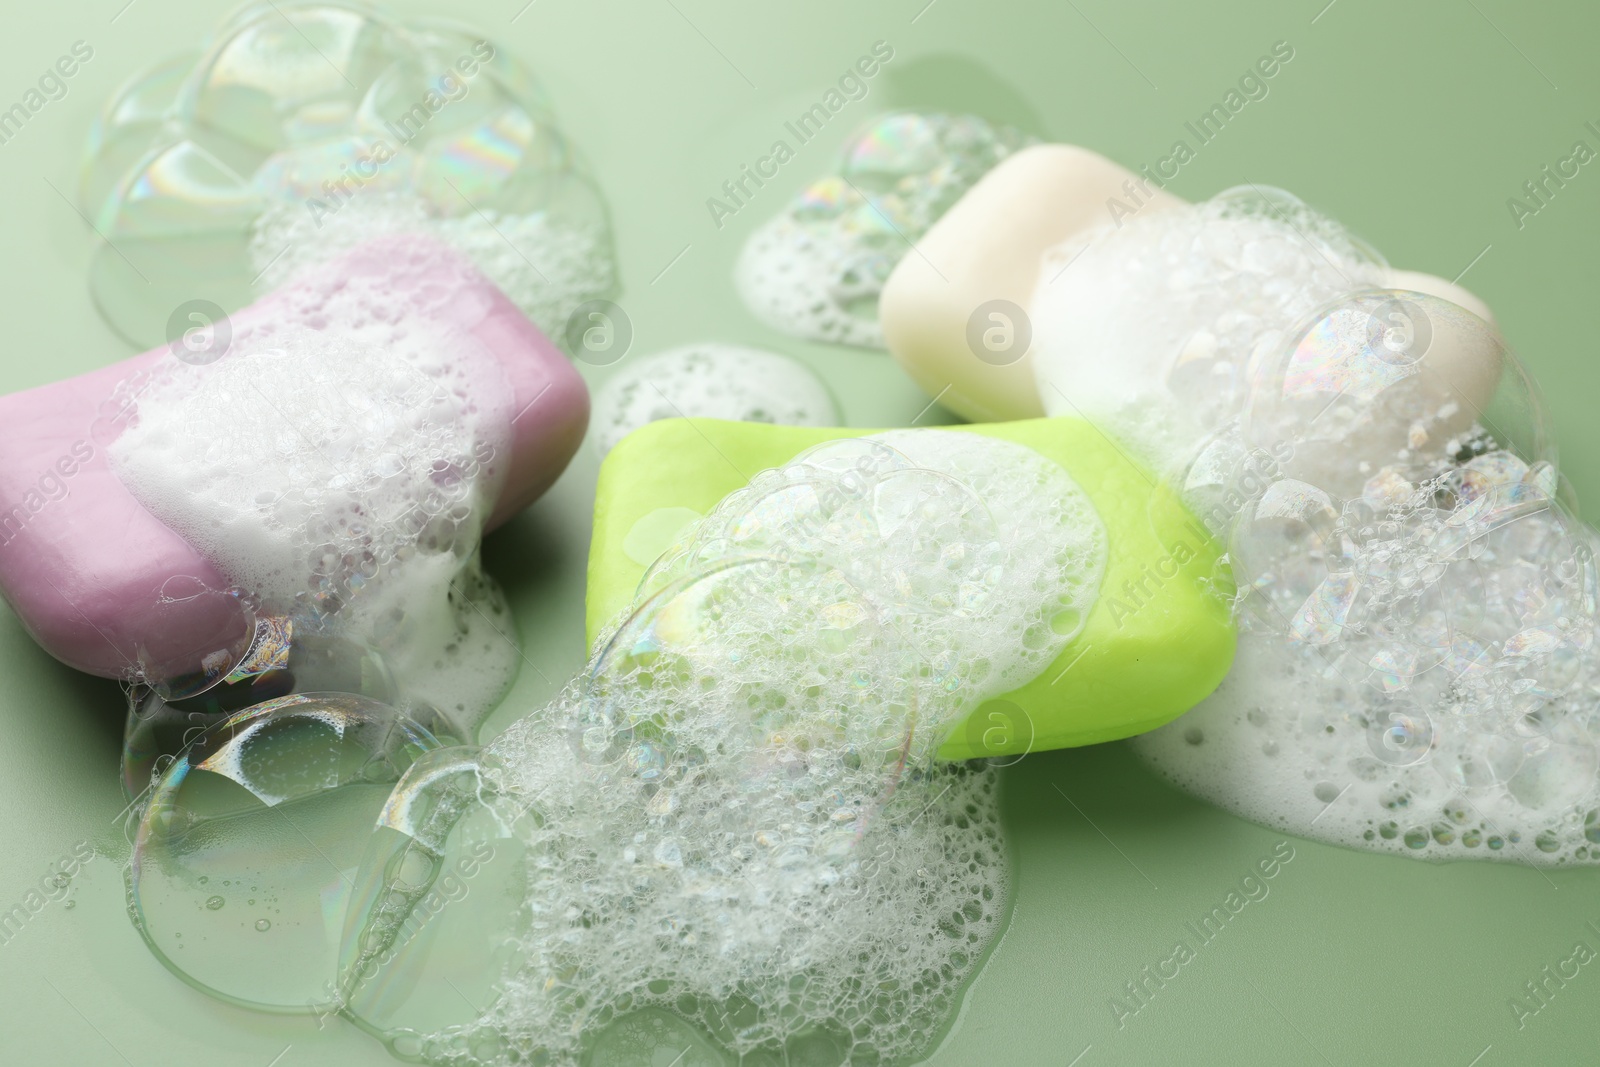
(984,254)
(84,565)
(1158,639)
(956,315)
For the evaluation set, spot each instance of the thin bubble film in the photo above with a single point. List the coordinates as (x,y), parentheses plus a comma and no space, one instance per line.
(1186,298)
(739,819)
(1417,598)
(815,270)
(242,866)
(710,380)
(338,464)
(303,129)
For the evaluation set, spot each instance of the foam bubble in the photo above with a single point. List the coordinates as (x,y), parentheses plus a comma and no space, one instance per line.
(1150,328)
(739,816)
(710,380)
(815,270)
(295,134)
(338,464)
(545,264)
(1419,602)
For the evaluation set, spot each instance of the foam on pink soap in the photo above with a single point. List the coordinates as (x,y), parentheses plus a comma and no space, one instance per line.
(103,584)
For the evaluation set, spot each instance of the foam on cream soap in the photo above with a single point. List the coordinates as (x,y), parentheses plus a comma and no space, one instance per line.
(1032,269)
(1419,602)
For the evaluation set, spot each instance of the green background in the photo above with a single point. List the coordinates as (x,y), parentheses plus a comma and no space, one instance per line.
(1412,124)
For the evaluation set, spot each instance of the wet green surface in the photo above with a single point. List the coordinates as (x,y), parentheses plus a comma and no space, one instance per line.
(1414,126)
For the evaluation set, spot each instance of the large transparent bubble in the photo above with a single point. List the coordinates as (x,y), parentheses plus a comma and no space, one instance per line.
(302,129)
(278,663)
(248,850)
(428,938)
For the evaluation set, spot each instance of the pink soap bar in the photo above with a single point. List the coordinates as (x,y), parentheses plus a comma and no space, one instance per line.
(84,565)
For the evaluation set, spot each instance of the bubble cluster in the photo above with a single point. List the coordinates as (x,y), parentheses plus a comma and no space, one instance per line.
(1418,600)
(710,380)
(1151,327)
(815,270)
(337,465)
(735,814)
(302,129)
(546,267)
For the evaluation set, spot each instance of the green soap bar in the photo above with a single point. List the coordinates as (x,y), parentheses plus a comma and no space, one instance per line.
(1157,641)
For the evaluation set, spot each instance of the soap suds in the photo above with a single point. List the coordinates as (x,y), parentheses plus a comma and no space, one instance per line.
(740,818)
(1418,601)
(1151,329)
(815,270)
(546,265)
(299,133)
(338,464)
(713,381)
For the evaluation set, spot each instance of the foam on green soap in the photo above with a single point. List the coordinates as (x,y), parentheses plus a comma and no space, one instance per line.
(1155,641)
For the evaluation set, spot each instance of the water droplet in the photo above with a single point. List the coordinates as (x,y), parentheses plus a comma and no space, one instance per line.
(263,925)
(215,902)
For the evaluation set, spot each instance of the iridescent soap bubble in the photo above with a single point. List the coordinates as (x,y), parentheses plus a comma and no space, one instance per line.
(438,894)
(277,802)
(280,662)
(1410,569)
(815,270)
(1190,299)
(303,129)
(1413,480)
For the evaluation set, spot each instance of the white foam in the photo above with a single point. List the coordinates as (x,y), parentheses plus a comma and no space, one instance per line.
(1418,601)
(741,819)
(816,269)
(546,265)
(710,380)
(1151,330)
(338,464)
